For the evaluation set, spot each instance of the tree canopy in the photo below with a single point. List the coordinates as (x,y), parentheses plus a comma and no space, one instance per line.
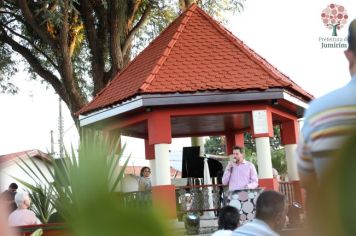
(78,46)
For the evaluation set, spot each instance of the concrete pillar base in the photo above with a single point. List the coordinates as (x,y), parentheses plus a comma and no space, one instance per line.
(269,184)
(291,158)
(153,172)
(164,199)
(162,165)
(264,159)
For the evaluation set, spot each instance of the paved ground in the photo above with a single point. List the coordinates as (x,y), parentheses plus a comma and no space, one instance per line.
(207,227)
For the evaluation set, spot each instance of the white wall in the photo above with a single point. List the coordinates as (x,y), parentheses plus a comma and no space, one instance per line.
(10,168)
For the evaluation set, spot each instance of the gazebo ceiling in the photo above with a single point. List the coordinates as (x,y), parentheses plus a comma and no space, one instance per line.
(201,125)
(210,124)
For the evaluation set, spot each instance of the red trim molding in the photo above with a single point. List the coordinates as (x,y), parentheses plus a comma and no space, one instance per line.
(149,151)
(233,140)
(289,132)
(159,128)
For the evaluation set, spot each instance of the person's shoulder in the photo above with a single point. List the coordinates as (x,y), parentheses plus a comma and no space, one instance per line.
(249,163)
(27,211)
(222,232)
(6,194)
(31,213)
(243,230)
(254,228)
(335,98)
(15,214)
(319,103)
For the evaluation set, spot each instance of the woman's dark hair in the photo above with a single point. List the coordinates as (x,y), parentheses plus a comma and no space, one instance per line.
(143,170)
(228,218)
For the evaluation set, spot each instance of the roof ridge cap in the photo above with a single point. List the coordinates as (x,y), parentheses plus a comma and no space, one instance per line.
(188,13)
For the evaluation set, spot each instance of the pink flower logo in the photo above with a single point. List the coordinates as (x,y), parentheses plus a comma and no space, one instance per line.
(334,17)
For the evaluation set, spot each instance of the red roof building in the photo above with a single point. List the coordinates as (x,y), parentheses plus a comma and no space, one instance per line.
(10,167)
(194,54)
(198,79)
(34,153)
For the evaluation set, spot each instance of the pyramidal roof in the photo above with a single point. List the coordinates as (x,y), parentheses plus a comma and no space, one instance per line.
(193,54)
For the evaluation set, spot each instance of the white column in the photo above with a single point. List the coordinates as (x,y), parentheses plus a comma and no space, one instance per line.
(199,141)
(201,145)
(291,157)
(153,171)
(163,173)
(264,159)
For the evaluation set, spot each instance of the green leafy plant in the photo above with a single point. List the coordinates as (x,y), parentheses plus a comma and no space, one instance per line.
(332,205)
(279,161)
(38,232)
(41,194)
(41,201)
(215,145)
(84,184)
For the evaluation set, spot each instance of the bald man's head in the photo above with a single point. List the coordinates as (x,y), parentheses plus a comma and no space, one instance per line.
(351,38)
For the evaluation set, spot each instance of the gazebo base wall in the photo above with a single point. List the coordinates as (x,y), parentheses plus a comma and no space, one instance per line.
(269,184)
(164,199)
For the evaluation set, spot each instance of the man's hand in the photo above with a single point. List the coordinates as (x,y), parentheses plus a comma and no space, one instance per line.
(229,166)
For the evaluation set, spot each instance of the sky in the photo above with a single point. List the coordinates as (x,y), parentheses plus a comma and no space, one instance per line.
(287,34)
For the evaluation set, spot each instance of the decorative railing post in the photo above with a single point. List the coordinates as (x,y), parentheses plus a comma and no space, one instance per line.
(298,196)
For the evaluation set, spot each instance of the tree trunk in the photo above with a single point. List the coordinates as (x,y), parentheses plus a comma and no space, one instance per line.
(184,4)
(51,40)
(334,33)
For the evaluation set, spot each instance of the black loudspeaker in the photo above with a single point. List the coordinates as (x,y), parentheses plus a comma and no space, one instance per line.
(191,162)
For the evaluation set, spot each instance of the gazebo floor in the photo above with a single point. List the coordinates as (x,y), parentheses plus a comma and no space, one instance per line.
(207,227)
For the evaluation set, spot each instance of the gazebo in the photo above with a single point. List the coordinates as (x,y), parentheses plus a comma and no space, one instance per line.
(197,79)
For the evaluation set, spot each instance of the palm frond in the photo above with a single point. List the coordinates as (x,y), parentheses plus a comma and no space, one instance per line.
(83,185)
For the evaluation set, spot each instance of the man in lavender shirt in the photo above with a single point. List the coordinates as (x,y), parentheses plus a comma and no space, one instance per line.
(240,174)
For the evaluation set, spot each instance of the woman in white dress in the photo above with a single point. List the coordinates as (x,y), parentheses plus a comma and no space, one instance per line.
(144,183)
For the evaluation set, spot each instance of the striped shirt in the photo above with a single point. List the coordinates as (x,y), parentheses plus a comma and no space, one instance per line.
(328,121)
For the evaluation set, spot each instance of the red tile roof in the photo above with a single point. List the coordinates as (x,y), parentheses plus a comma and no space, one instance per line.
(29,153)
(195,53)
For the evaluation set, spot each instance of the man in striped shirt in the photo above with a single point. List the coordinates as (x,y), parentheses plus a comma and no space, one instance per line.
(328,121)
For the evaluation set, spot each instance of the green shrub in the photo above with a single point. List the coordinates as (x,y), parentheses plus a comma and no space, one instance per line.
(84,195)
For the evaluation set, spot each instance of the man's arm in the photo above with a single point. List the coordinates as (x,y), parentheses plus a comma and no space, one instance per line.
(227,174)
(253,177)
